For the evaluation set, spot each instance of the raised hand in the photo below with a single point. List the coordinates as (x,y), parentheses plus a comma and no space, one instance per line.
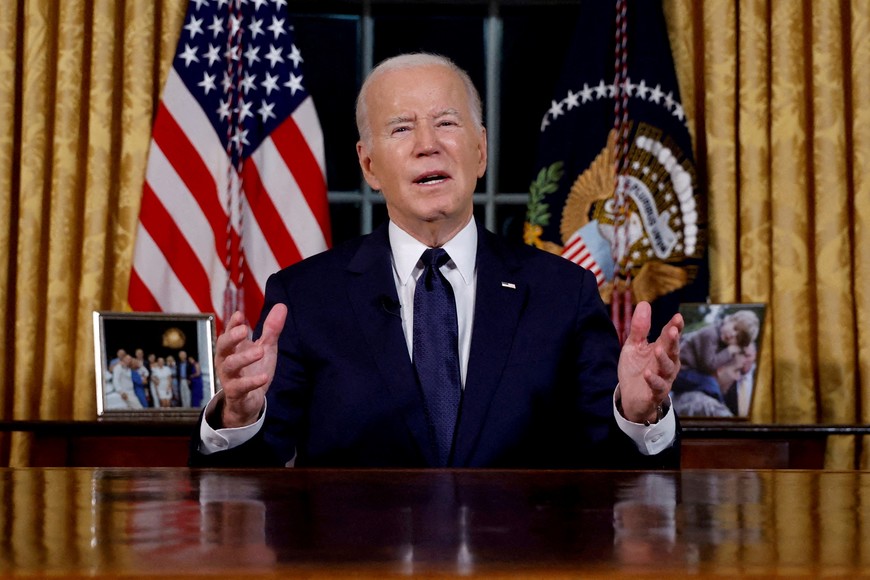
(647,370)
(245,368)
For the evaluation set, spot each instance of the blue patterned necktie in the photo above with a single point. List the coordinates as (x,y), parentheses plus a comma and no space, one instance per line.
(436,349)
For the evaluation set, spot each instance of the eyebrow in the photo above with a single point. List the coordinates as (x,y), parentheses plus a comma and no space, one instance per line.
(399,119)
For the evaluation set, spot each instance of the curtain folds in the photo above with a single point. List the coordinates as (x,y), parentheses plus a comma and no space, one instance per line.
(781,126)
(79,80)
(778,97)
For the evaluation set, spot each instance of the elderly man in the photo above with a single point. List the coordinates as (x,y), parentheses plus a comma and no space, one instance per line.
(432,342)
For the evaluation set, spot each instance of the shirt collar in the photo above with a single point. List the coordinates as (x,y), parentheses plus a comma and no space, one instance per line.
(406,250)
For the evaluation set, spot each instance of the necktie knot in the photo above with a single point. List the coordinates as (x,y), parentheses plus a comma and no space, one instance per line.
(436,257)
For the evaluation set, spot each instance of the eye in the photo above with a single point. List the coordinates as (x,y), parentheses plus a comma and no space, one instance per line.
(400,129)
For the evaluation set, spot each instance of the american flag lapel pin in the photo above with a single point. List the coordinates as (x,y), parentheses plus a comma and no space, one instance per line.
(510,285)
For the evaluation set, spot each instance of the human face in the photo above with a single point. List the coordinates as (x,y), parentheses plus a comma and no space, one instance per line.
(728,333)
(425,153)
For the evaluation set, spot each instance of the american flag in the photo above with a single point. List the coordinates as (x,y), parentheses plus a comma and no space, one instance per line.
(235,186)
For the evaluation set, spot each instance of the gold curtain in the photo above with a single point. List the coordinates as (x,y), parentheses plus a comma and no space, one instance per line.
(778,94)
(779,97)
(79,81)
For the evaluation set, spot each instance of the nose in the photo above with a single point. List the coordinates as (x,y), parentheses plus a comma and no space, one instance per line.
(427,141)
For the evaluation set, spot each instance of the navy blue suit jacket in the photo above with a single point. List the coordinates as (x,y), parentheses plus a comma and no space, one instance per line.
(538,392)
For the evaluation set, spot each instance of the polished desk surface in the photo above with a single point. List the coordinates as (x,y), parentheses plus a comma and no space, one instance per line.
(87,522)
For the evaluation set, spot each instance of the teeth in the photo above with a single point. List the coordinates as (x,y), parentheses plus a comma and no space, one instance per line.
(431,178)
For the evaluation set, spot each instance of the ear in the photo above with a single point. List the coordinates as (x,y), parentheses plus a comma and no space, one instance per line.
(365,163)
(481,165)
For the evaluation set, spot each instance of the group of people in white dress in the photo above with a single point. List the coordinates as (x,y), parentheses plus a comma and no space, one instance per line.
(135,382)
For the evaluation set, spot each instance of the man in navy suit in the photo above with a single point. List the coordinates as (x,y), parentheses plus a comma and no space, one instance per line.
(329,379)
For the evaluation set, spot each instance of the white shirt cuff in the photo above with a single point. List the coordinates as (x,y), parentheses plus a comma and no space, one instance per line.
(214,440)
(651,439)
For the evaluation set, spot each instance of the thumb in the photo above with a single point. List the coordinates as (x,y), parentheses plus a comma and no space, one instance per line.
(274,324)
(641,321)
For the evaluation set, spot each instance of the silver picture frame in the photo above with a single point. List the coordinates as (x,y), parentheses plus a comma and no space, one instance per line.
(176,352)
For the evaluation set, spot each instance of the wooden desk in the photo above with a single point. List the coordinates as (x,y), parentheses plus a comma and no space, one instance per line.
(117,443)
(332,523)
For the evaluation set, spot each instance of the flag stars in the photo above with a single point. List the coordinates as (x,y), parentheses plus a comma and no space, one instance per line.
(544,124)
(642,89)
(572,100)
(207,83)
(188,55)
(200,4)
(194,27)
(295,56)
(265,111)
(213,54)
(233,53)
(244,110)
(259,4)
(600,90)
(277,26)
(216,26)
(227,83)
(256,28)
(252,54)
(270,84)
(274,56)
(224,109)
(235,24)
(280,4)
(240,137)
(294,84)
(248,82)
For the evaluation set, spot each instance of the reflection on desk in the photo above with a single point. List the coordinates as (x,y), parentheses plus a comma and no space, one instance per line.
(329,523)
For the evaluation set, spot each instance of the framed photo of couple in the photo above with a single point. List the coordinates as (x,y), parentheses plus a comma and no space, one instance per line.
(153,366)
(719,357)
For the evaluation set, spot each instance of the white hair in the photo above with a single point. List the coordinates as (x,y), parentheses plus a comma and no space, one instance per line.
(414,60)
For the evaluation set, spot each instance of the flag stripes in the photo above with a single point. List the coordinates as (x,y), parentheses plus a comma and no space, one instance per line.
(235,186)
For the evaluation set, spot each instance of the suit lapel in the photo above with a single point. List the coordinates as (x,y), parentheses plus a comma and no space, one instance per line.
(501,296)
(372,293)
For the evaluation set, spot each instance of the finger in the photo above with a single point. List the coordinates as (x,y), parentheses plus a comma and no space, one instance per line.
(658,386)
(273,325)
(231,338)
(235,363)
(668,364)
(669,339)
(640,323)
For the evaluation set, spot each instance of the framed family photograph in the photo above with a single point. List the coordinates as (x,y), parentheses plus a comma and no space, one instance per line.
(719,355)
(153,365)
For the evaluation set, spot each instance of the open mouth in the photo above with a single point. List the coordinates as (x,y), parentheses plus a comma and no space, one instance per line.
(429,178)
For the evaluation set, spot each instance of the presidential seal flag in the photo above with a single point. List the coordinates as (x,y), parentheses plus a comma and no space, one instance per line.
(615,188)
(235,184)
